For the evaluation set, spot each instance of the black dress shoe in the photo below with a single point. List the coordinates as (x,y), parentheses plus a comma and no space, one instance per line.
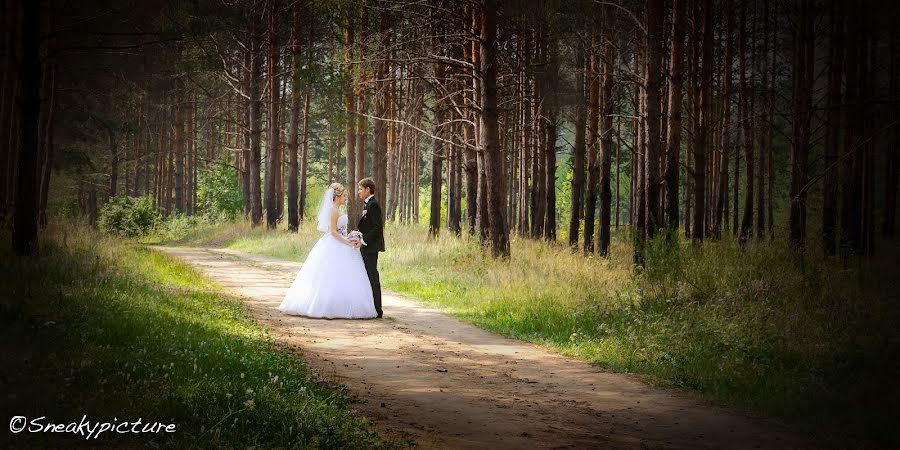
(379,315)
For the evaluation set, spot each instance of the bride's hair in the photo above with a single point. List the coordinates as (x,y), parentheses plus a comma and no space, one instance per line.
(338,189)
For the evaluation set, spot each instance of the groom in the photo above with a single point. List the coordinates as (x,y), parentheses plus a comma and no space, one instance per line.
(371,226)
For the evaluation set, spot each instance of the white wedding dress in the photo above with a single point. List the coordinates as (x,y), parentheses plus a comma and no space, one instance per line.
(332,283)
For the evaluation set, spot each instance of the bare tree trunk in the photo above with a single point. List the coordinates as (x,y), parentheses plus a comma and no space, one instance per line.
(867,243)
(525,172)
(179,147)
(618,168)
(25,228)
(538,196)
(8,87)
(170,157)
(747,220)
(47,141)
(606,140)
(245,134)
(304,156)
(771,124)
(471,165)
(722,203)
(701,143)
(550,178)
(350,132)
(593,138)
(438,145)
(831,180)
(254,119)
(803,72)
(191,150)
(639,166)
(273,147)
(293,189)
(655,12)
(382,108)
(579,148)
(491,136)
(760,60)
(673,139)
(362,108)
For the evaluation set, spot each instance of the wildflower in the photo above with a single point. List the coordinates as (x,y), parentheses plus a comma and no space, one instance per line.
(250,404)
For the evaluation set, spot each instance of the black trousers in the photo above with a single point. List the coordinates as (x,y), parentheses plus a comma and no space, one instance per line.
(370,259)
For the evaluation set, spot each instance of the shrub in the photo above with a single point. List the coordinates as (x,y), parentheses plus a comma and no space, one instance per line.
(218,193)
(129,216)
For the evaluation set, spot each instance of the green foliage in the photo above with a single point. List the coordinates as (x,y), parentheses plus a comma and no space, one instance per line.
(219,193)
(177,226)
(129,216)
(122,331)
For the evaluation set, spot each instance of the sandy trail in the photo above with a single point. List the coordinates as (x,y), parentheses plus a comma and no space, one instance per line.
(446,384)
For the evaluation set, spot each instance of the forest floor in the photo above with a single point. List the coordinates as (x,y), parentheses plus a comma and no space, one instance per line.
(428,377)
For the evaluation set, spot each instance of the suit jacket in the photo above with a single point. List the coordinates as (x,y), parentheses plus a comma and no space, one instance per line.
(371,225)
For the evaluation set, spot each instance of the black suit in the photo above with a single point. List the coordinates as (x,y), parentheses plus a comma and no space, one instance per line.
(371,225)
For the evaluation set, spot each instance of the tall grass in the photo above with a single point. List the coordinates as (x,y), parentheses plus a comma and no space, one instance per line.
(114,331)
(799,340)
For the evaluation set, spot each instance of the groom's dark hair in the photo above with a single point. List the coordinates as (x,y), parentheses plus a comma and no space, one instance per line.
(368,183)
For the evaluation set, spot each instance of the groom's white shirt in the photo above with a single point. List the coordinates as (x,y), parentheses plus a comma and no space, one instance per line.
(366,201)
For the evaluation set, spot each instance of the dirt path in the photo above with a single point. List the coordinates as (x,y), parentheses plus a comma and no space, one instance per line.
(446,384)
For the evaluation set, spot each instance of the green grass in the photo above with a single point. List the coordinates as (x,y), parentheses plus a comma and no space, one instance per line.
(805,343)
(114,331)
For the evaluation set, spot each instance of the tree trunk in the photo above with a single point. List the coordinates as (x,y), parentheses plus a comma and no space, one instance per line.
(47,141)
(579,148)
(673,139)
(179,147)
(25,226)
(771,124)
(304,156)
(471,165)
(832,146)
(350,132)
(722,203)
(8,83)
(606,140)
(701,143)
(362,108)
(593,138)
(496,190)
(747,220)
(550,178)
(244,169)
(869,70)
(803,81)
(273,148)
(763,149)
(438,144)
(294,134)
(254,118)
(189,155)
(382,109)
(655,37)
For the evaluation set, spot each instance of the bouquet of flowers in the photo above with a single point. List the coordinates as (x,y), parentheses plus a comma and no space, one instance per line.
(354,236)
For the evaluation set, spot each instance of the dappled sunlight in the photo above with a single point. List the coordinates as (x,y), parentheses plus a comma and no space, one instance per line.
(425,367)
(129,332)
(745,325)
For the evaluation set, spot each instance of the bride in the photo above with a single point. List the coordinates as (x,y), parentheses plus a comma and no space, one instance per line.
(332,282)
